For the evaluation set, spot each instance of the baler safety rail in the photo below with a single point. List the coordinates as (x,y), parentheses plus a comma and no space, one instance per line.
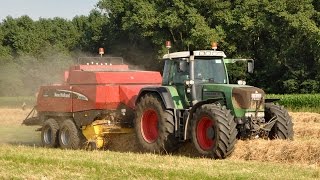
(32,119)
(100,60)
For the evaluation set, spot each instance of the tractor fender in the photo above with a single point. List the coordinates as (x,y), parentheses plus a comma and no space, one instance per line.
(193,110)
(163,92)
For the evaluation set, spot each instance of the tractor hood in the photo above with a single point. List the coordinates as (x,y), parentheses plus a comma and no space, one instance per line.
(239,98)
(230,89)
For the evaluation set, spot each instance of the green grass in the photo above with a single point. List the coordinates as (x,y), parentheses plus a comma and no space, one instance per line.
(36,163)
(14,102)
(22,158)
(15,134)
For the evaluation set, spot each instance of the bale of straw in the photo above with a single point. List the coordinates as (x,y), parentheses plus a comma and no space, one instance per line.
(306,152)
(305,117)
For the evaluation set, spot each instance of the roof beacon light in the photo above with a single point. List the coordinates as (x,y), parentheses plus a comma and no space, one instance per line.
(168,44)
(101,51)
(214,45)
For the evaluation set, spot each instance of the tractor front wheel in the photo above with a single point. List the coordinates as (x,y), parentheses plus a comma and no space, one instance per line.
(154,125)
(213,131)
(49,133)
(283,128)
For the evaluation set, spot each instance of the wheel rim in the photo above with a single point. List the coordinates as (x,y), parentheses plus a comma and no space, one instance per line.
(205,133)
(47,135)
(65,136)
(149,125)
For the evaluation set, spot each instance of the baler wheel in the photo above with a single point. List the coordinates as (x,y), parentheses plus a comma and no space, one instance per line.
(49,133)
(213,131)
(283,128)
(154,125)
(69,135)
(91,146)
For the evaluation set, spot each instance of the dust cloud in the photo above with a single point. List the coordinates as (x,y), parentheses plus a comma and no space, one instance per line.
(23,75)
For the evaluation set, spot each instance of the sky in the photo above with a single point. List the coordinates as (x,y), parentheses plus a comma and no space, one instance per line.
(45,8)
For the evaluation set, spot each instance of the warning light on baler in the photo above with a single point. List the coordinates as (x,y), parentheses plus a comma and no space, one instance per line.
(101,51)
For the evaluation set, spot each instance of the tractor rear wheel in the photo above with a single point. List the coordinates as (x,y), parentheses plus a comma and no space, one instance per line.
(69,135)
(213,131)
(283,128)
(49,133)
(154,125)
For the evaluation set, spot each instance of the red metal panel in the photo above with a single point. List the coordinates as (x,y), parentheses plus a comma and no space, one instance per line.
(107,97)
(87,99)
(54,99)
(66,76)
(130,77)
(128,94)
(101,67)
(119,77)
(82,77)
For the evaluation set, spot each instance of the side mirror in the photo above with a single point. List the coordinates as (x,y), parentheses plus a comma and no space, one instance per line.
(183,66)
(250,66)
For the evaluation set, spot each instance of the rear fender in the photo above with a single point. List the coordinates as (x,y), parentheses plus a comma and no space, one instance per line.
(163,92)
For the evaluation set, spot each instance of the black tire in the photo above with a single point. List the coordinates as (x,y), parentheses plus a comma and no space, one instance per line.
(283,128)
(49,133)
(154,125)
(213,131)
(70,136)
(91,146)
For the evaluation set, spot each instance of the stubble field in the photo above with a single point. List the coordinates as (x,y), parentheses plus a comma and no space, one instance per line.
(22,157)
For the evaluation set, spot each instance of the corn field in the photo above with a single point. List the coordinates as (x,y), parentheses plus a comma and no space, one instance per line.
(299,102)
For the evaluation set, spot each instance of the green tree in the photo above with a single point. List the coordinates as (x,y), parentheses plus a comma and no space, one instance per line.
(21,35)
(280,35)
(94,30)
(59,32)
(175,20)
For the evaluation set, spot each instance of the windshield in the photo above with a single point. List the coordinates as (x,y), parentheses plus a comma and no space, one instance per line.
(210,70)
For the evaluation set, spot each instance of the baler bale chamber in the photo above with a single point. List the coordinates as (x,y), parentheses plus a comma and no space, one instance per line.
(97,98)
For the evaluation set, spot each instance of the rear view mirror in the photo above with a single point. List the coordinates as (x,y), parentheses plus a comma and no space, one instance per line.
(250,66)
(183,66)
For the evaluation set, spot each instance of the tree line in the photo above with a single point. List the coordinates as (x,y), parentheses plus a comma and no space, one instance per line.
(283,37)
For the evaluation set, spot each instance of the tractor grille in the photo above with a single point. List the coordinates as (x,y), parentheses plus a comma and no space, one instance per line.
(242,98)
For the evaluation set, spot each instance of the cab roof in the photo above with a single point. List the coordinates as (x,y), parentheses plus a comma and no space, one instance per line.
(201,53)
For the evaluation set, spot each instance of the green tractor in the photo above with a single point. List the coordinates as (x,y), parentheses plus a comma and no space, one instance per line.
(196,102)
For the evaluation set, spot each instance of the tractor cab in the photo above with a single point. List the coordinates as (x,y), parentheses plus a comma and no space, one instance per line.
(200,75)
(188,71)
(208,67)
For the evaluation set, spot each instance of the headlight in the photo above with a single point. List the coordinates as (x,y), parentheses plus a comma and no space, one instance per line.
(188,83)
(242,82)
(252,114)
